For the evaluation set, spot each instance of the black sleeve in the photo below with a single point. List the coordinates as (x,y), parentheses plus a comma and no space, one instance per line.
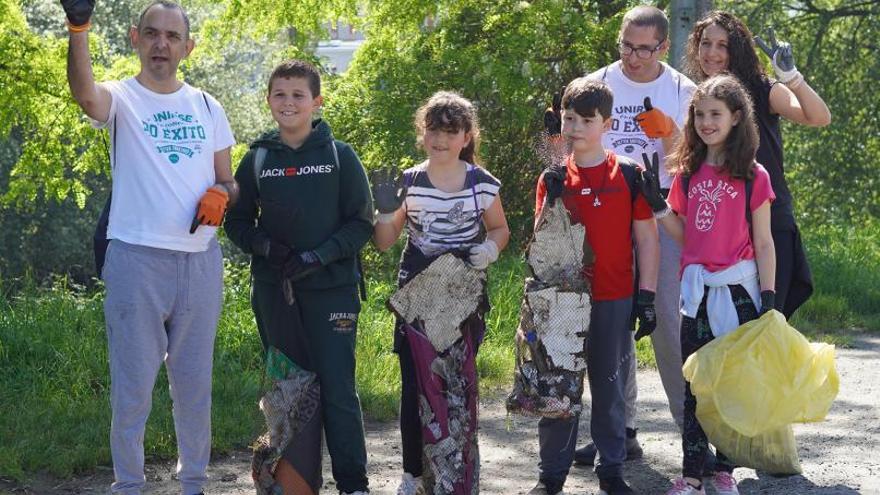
(241,219)
(355,209)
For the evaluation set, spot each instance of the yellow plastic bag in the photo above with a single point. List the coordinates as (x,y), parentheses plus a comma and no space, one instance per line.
(753,383)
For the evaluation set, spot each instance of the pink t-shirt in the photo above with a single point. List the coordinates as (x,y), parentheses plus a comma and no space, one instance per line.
(716,232)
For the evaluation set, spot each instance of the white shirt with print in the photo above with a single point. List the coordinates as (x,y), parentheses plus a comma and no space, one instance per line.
(162,157)
(671,93)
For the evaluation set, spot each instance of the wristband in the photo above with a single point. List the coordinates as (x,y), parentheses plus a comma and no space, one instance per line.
(795,82)
(384,217)
(79,29)
(663,213)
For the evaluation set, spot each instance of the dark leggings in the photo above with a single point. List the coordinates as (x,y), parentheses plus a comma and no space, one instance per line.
(695,333)
(410,422)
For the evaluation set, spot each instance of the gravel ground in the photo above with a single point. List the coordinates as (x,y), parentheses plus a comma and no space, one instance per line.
(837,455)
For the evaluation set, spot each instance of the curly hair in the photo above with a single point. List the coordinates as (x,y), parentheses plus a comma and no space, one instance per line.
(741,144)
(742,59)
(450,112)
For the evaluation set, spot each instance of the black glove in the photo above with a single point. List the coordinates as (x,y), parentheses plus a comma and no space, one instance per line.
(78,11)
(298,266)
(274,251)
(647,314)
(554,182)
(553,116)
(649,183)
(388,189)
(768,301)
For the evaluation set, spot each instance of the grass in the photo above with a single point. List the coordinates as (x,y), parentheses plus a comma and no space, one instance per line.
(53,355)
(845,262)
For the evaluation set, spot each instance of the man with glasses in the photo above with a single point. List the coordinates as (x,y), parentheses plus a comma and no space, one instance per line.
(636,130)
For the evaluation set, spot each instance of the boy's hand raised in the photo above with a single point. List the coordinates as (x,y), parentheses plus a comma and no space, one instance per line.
(654,122)
(78,11)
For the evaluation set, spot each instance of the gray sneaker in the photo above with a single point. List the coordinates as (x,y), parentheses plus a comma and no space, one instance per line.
(546,488)
(586,456)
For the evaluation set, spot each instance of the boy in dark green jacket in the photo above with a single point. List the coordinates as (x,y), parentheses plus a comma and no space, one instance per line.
(304,214)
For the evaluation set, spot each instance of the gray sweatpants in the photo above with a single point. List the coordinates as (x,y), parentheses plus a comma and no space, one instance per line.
(608,359)
(161,306)
(666,338)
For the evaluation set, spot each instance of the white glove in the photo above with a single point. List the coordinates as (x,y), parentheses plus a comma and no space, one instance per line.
(483,254)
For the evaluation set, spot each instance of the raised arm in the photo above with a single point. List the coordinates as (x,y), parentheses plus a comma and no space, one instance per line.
(93,98)
(794,99)
(388,196)
(799,103)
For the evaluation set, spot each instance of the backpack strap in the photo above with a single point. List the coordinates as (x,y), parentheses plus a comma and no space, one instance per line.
(208,106)
(629,169)
(259,160)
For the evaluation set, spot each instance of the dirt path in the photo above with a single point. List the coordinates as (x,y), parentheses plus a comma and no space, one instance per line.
(839,456)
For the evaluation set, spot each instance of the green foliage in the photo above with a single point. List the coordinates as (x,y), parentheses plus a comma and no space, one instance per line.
(508,57)
(846,271)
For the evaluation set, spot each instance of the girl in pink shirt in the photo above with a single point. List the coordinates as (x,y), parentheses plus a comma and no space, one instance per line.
(728,261)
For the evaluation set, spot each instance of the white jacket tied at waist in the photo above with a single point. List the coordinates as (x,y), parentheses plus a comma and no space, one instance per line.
(719,305)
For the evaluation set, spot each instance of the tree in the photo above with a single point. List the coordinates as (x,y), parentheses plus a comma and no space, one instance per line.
(509,57)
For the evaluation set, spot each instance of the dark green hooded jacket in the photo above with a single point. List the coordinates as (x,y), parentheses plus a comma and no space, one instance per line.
(307,203)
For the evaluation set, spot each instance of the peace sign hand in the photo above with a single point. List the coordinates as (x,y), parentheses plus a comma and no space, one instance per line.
(388,189)
(780,56)
(649,183)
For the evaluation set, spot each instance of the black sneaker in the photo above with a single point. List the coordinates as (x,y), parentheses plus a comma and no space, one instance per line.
(586,456)
(614,486)
(546,488)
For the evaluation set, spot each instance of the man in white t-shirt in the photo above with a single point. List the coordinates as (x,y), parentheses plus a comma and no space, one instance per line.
(636,130)
(170,159)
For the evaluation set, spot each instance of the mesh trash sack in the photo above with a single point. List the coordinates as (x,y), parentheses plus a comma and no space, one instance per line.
(292,411)
(554,320)
(442,307)
(753,383)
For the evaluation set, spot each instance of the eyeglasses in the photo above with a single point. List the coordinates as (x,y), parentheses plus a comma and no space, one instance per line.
(644,53)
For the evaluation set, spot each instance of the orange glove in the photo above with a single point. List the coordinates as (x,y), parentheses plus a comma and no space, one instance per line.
(654,122)
(212,206)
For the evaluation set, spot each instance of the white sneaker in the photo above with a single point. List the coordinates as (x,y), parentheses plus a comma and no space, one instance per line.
(410,485)
(725,483)
(682,487)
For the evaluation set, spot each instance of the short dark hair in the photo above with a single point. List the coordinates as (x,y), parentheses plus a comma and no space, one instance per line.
(298,68)
(168,4)
(588,96)
(646,16)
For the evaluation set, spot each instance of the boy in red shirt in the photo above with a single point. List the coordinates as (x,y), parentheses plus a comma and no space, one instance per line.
(593,187)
